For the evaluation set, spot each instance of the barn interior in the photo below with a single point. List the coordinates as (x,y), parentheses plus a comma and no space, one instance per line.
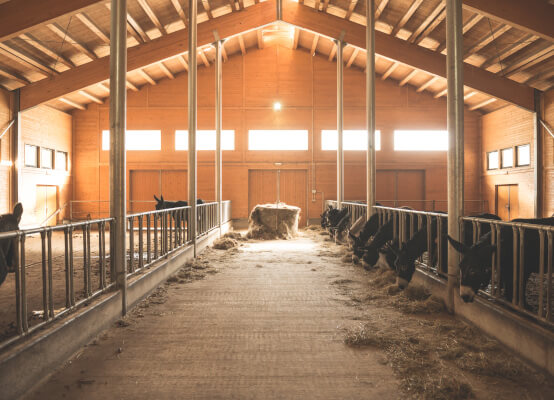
(289,103)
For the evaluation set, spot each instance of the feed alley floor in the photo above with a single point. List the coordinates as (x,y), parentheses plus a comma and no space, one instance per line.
(272,320)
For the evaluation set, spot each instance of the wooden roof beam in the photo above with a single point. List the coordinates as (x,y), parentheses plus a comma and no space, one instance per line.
(408,77)
(482,104)
(407,53)
(207,8)
(91,97)
(427,84)
(14,76)
(531,16)
(18,16)
(131,86)
(469,95)
(325,5)
(64,35)
(333,52)
(152,16)
(37,44)
(352,57)
(381,8)
(133,28)
(441,93)
(183,61)
(241,44)
(525,61)
(351,7)
(72,103)
(390,70)
(180,11)
(146,77)
(430,27)
(223,52)
(474,20)
(509,50)
(488,38)
(314,44)
(295,38)
(260,37)
(406,17)
(540,77)
(204,58)
(26,59)
(166,70)
(93,27)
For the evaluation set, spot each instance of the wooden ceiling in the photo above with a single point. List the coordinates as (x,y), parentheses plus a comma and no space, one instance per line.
(62,60)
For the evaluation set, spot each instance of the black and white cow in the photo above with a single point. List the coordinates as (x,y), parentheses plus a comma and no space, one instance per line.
(9,259)
(359,242)
(476,263)
(338,228)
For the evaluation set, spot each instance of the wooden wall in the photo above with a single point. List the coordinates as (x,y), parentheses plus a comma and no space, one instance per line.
(548,155)
(6,112)
(306,88)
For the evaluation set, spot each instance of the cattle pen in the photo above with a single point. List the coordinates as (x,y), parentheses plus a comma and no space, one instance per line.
(276,199)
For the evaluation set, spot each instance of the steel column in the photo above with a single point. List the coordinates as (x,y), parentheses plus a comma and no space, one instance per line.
(537,152)
(118,118)
(340,152)
(16,153)
(370,108)
(455,109)
(192,120)
(218,126)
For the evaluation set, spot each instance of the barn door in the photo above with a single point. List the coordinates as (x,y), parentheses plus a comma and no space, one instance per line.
(507,202)
(46,204)
(144,184)
(397,188)
(262,187)
(174,185)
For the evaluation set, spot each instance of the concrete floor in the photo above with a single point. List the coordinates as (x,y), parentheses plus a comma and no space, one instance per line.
(268,325)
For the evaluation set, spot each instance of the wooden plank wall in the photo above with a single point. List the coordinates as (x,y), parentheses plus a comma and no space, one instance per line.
(306,88)
(548,155)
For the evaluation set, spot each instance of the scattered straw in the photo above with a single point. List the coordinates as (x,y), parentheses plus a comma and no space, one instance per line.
(225,243)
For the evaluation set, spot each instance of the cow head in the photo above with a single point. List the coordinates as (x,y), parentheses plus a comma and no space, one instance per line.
(405,267)
(371,255)
(160,202)
(8,247)
(475,267)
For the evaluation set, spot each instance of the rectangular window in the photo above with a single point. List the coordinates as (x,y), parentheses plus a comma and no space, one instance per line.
(523,155)
(46,158)
(507,158)
(31,156)
(351,140)
(205,140)
(492,160)
(137,140)
(61,161)
(277,139)
(420,140)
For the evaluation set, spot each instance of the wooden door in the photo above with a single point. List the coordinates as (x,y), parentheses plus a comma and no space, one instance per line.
(507,202)
(174,185)
(46,204)
(144,184)
(262,187)
(292,191)
(410,190)
(386,187)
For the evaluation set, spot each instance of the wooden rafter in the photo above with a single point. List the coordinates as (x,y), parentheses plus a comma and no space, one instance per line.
(474,20)
(72,103)
(352,57)
(482,104)
(407,53)
(485,40)
(18,16)
(381,8)
(406,17)
(260,37)
(427,83)
(183,61)
(26,59)
(166,70)
(314,44)
(531,16)
(90,97)
(441,93)
(223,52)
(232,3)
(131,86)
(207,8)
(469,95)
(545,51)
(93,27)
(408,77)
(152,16)
(64,35)
(204,58)
(104,86)
(133,28)
(180,11)
(146,77)
(333,52)
(351,7)
(317,4)
(295,38)
(325,5)
(37,44)
(14,76)
(390,70)
(241,44)
(547,74)
(509,50)
(431,22)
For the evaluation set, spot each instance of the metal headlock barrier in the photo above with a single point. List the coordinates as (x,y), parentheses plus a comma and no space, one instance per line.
(86,272)
(530,286)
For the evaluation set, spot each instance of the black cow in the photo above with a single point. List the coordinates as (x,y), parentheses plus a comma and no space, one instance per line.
(9,259)
(340,223)
(328,216)
(476,265)
(164,204)
(358,242)
(417,245)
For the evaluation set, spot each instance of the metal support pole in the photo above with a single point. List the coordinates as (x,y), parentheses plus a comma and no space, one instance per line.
(218,126)
(16,153)
(537,152)
(455,107)
(340,152)
(118,119)
(370,108)
(192,120)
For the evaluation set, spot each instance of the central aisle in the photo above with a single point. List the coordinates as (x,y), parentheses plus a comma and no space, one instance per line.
(268,325)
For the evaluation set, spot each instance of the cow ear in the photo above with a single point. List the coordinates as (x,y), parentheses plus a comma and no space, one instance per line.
(18,211)
(162,198)
(155,198)
(459,247)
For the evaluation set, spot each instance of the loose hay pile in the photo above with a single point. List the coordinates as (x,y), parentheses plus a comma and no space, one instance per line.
(273,221)
(225,243)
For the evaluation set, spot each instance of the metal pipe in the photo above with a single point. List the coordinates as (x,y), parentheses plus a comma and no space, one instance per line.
(218,125)
(455,109)
(340,152)
(192,120)
(16,153)
(118,111)
(370,108)
(537,159)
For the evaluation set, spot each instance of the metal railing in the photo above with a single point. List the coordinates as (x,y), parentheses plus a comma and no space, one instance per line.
(25,321)
(521,249)
(63,267)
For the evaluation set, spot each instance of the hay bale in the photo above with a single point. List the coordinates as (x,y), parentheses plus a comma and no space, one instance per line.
(225,243)
(273,221)
(235,235)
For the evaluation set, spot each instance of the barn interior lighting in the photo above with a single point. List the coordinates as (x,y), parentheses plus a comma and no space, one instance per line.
(277,106)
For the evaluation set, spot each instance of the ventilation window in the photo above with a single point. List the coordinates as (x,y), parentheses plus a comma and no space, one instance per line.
(507,157)
(523,155)
(137,140)
(31,156)
(351,140)
(278,140)
(46,158)
(205,140)
(492,160)
(61,160)
(421,140)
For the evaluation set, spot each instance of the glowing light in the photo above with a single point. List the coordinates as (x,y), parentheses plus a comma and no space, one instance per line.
(136,140)
(6,163)
(351,140)
(278,140)
(277,106)
(205,140)
(420,140)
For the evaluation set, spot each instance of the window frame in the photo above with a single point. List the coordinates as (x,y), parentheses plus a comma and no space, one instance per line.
(37,150)
(517,164)
(489,168)
(502,158)
(305,132)
(377,139)
(205,131)
(106,133)
(66,156)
